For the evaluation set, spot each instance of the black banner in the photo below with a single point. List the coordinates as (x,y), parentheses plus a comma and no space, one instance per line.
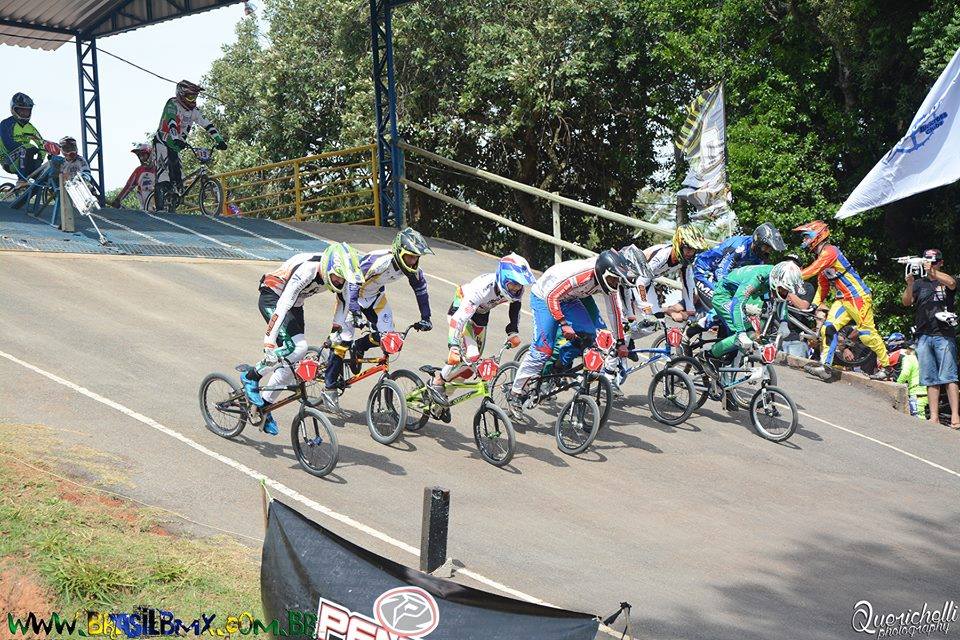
(337,590)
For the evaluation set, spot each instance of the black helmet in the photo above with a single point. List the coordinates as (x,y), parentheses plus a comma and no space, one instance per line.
(409,242)
(613,269)
(21,106)
(187,93)
(766,235)
(68,143)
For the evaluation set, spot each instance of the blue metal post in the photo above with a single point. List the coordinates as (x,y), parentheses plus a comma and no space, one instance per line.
(90,130)
(385,107)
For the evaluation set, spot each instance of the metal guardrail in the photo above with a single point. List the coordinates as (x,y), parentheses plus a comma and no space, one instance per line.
(335,186)
(556,199)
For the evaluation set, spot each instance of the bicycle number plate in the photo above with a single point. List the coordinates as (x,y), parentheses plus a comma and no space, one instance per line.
(307,369)
(391,342)
(604,339)
(755,322)
(674,337)
(769,353)
(487,369)
(592,360)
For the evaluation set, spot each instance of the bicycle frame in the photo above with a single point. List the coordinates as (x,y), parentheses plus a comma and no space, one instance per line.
(717,373)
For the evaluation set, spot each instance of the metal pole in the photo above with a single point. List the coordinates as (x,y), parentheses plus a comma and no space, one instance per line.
(395,157)
(557,251)
(434,528)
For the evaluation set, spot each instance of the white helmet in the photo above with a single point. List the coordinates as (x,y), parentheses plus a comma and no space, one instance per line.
(785,275)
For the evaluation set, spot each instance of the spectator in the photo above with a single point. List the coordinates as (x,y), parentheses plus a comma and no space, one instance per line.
(910,376)
(933,297)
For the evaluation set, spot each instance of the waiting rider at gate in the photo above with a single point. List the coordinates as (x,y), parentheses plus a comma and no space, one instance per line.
(180,113)
(21,145)
(854,302)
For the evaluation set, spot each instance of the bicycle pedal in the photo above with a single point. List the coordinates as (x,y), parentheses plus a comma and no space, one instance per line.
(445,416)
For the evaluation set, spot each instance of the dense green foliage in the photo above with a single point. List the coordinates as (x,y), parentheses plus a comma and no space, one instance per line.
(582,96)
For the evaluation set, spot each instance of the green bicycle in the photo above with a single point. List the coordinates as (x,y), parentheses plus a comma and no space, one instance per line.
(492,429)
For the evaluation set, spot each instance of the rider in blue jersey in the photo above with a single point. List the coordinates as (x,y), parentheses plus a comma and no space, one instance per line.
(713,265)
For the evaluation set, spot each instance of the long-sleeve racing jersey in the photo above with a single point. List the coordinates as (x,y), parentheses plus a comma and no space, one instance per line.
(573,280)
(658,259)
(379,269)
(474,300)
(296,280)
(176,123)
(833,269)
(144,179)
(712,266)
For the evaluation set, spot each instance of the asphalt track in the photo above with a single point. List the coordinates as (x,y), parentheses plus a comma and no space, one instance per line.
(708,530)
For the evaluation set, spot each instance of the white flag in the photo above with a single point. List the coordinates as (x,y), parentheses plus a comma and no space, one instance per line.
(927,157)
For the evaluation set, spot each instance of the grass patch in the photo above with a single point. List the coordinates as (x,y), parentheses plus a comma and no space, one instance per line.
(93,551)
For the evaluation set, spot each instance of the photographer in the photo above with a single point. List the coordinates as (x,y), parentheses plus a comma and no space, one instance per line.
(932,293)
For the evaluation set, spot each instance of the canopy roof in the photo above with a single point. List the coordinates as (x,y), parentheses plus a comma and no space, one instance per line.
(48,24)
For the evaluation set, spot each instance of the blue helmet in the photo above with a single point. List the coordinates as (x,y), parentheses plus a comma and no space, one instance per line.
(513,268)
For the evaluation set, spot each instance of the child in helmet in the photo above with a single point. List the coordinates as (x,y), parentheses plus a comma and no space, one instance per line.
(470,312)
(144,178)
(712,265)
(368,303)
(282,294)
(21,145)
(74,164)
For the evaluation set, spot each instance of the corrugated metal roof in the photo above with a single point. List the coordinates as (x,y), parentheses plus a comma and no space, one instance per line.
(48,24)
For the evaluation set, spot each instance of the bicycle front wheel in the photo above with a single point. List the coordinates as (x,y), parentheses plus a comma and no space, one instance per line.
(672,397)
(693,370)
(502,383)
(386,412)
(773,414)
(211,197)
(223,405)
(577,424)
(659,362)
(314,442)
(414,394)
(743,393)
(313,390)
(493,433)
(601,390)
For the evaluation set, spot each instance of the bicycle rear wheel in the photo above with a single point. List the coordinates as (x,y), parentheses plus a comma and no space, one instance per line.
(314,442)
(493,433)
(773,414)
(502,383)
(223,405)
(672,396)
(414,394)
(211,197)
(386,412)
(522,351)
(165,197)
(577,424)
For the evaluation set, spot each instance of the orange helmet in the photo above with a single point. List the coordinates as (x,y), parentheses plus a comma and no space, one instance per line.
(813,233)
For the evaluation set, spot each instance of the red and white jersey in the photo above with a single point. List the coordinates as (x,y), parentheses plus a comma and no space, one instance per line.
(574,280)
(144,179)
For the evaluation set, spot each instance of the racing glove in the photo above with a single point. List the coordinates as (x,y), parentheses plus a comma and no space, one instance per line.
(568,331)
(513,340)
(453,356)
(423,325)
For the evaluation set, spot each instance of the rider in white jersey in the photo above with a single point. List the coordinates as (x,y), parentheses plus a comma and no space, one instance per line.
(469,315)
(282,294)
(561,299)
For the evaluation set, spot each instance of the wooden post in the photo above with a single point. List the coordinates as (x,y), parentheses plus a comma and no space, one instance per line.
(67,222)
(434,528)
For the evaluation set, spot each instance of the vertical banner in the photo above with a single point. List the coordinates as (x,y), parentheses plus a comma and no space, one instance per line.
(332,589)
(703,141)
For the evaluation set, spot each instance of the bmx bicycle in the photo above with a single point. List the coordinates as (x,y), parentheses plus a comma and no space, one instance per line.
(209,195)
(492,428)
(226,410)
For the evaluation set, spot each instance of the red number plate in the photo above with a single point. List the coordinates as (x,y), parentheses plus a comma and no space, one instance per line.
(487,369)
(307,369)
(674,337)
(604,339)
(769,353)
(593,360)
(391,342)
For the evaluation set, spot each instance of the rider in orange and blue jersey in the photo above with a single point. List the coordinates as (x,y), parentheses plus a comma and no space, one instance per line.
(854,301)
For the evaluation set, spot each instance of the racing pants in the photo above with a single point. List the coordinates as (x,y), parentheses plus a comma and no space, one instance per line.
(376,309)
(583,315)
(859,311)
(291,343)
(168,164)
(474,335)
(731,316)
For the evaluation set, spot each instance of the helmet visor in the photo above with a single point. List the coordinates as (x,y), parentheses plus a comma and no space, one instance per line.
(410,260)
(514,289)
(23,113)
(611,281)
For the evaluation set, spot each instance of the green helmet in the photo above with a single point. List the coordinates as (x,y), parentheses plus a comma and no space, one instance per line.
(341,260)
(409,242)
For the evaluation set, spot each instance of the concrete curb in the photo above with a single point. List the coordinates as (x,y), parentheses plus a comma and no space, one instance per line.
(893,393)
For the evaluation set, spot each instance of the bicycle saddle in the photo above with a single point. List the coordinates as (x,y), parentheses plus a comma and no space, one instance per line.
(429,368)
(243,368)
